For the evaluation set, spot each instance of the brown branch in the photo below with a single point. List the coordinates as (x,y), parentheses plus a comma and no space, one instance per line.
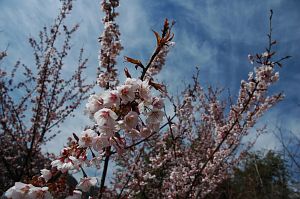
(155,53)
(104,172)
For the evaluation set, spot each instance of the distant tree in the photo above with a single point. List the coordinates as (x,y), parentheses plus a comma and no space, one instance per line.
(290,149)
(290,152)
(32,105)
(257,176)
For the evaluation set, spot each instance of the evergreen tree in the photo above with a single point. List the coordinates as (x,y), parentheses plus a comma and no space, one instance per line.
(261,176)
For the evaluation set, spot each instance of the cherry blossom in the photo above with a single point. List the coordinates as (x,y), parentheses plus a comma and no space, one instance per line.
(46,174)
(105,118)
(154,116)
(95,103)
(130,120)
(126,93)
(100,142)
(86,138)
(145,132)
(157,103)
(21,191)
(111,98)
(86,183)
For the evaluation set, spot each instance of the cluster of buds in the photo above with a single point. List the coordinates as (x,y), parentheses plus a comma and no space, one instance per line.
(164,43)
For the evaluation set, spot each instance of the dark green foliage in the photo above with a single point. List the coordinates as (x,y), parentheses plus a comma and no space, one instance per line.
(261,176)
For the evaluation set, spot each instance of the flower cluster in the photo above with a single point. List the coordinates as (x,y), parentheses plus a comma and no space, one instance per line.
(110,45)
(122,110)
(128,112)
(27,191)
(160,59)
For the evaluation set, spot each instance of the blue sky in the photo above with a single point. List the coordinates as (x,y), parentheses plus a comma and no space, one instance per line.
(215,35)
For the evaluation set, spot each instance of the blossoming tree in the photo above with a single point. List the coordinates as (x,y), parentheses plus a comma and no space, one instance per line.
(183,155)
(36,99)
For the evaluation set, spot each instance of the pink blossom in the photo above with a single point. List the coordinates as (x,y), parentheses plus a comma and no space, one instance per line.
(105,118)
(126,93)
(131,120)
(154,116)
(86,138)
(21,191)
(86,183)
(111,98)
(157,103)
(145,132)
(95,103)
(100,142)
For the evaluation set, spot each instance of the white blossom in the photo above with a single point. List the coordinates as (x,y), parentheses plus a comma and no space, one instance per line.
(86,138)
(131,120)
(134,83)
(70,163)
(86,183)
(144,91)
(46,174)
(126,93)
(157,103)
(111,98)
(105,118)
(27,191)
(100,142)
(39,193)
(95,103)
(155,116)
